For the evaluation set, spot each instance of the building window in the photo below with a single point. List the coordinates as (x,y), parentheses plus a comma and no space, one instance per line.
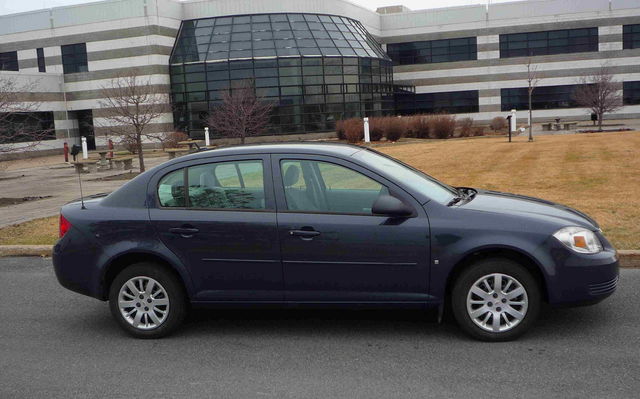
(9,61)
(631,93)
(543,97)
(19,127)
(432,51)
(549,42)
(74,58)
(631,36)
(454,102)
(41,65)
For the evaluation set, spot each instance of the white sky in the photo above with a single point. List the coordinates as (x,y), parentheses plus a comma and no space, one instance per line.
(13,6)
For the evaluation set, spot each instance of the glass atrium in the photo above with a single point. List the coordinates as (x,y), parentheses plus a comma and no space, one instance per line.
(316,69)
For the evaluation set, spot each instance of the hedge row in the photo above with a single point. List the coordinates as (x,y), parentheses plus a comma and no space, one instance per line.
(438,126)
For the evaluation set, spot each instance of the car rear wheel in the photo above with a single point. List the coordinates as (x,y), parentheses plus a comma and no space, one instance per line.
(147,301)
(495,300)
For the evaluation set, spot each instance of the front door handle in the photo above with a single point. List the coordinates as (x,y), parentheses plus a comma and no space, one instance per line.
(184,232)
(304,234)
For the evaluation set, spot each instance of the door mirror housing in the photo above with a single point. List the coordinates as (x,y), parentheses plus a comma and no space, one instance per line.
(390,206)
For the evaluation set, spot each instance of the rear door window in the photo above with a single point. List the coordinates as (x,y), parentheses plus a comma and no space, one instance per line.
(227,185)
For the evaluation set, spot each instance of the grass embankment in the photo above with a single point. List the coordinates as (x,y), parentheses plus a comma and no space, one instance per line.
(596,173)
(34,232)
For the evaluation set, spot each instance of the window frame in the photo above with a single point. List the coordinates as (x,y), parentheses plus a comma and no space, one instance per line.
(630,36)
(42,65)
(66,70)
(631,92)
(413,53)
(572,37)
(269,200)
(281,201)
(9,59)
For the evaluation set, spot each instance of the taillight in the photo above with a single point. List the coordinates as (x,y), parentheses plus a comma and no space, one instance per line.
(64,226)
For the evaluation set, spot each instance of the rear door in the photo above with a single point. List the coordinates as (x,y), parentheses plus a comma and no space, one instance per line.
(333,248)
(219,218)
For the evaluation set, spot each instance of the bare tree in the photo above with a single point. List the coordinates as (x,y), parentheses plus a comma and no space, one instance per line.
(532,81)
(241,114)
(129,105)
(20,125)
(599,93)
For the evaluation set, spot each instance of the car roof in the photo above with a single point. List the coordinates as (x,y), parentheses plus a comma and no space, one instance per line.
(318,148)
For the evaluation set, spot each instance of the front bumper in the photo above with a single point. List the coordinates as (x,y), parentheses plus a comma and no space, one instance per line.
(581,279)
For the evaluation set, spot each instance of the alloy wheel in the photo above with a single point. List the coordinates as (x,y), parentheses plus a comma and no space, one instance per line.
(497,302)
(143,303)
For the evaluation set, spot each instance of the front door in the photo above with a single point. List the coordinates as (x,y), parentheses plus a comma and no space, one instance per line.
(333,248)
(223,227)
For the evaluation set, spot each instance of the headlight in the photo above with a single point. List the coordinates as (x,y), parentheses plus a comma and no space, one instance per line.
(579,239)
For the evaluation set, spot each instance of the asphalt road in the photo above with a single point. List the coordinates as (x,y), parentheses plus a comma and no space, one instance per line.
(54,343)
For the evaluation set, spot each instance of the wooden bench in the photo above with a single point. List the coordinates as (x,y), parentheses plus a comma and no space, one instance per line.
(86,166)
(546,127)
(173,151)
(123,163)
(570,125)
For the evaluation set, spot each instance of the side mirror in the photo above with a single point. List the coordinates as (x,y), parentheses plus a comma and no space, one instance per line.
(390,206)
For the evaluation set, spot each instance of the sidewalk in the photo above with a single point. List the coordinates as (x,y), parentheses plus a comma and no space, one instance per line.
(52,178)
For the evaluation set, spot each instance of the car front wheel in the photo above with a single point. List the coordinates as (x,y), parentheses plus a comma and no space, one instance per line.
(495,300)
(147,301)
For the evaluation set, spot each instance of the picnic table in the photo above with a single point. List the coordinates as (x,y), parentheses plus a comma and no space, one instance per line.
(125,163)
(559,126)
(193,144)
(104,162)
(173,151)
(85,166)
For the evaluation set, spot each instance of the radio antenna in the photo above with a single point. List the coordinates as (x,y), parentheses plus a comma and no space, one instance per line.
(81,195)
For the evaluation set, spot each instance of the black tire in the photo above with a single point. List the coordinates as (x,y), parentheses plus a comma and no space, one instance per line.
(176,310)
(476,271)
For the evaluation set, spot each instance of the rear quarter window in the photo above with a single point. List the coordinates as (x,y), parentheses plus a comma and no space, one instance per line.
(171,189)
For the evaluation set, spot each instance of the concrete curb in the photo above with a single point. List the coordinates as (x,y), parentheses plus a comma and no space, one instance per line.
(628,258)
(25,250)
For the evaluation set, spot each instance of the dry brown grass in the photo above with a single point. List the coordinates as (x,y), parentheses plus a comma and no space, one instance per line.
(34,232)
(596,173)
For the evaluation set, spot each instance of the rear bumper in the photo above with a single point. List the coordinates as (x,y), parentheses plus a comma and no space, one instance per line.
(73,259)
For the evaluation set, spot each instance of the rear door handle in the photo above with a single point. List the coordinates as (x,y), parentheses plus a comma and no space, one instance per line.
(304,234)
(185,232)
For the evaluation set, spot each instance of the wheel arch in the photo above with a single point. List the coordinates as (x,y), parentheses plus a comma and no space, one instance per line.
(122,261)
(513,254)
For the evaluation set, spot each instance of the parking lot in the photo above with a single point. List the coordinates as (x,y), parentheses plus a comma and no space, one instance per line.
(54,343)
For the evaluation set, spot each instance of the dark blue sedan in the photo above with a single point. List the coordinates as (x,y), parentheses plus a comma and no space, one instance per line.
(326,224)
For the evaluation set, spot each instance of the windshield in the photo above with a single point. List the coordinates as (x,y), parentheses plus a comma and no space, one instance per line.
(406,175)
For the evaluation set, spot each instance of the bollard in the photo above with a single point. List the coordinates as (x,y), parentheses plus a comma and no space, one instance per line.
(367,137)
(207,141)
(513,120)
(85,152)
(66,152)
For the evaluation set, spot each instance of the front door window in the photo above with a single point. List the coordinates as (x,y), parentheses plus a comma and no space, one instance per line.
(316,186)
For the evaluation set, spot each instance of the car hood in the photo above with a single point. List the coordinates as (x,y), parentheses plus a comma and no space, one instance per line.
(514,204)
